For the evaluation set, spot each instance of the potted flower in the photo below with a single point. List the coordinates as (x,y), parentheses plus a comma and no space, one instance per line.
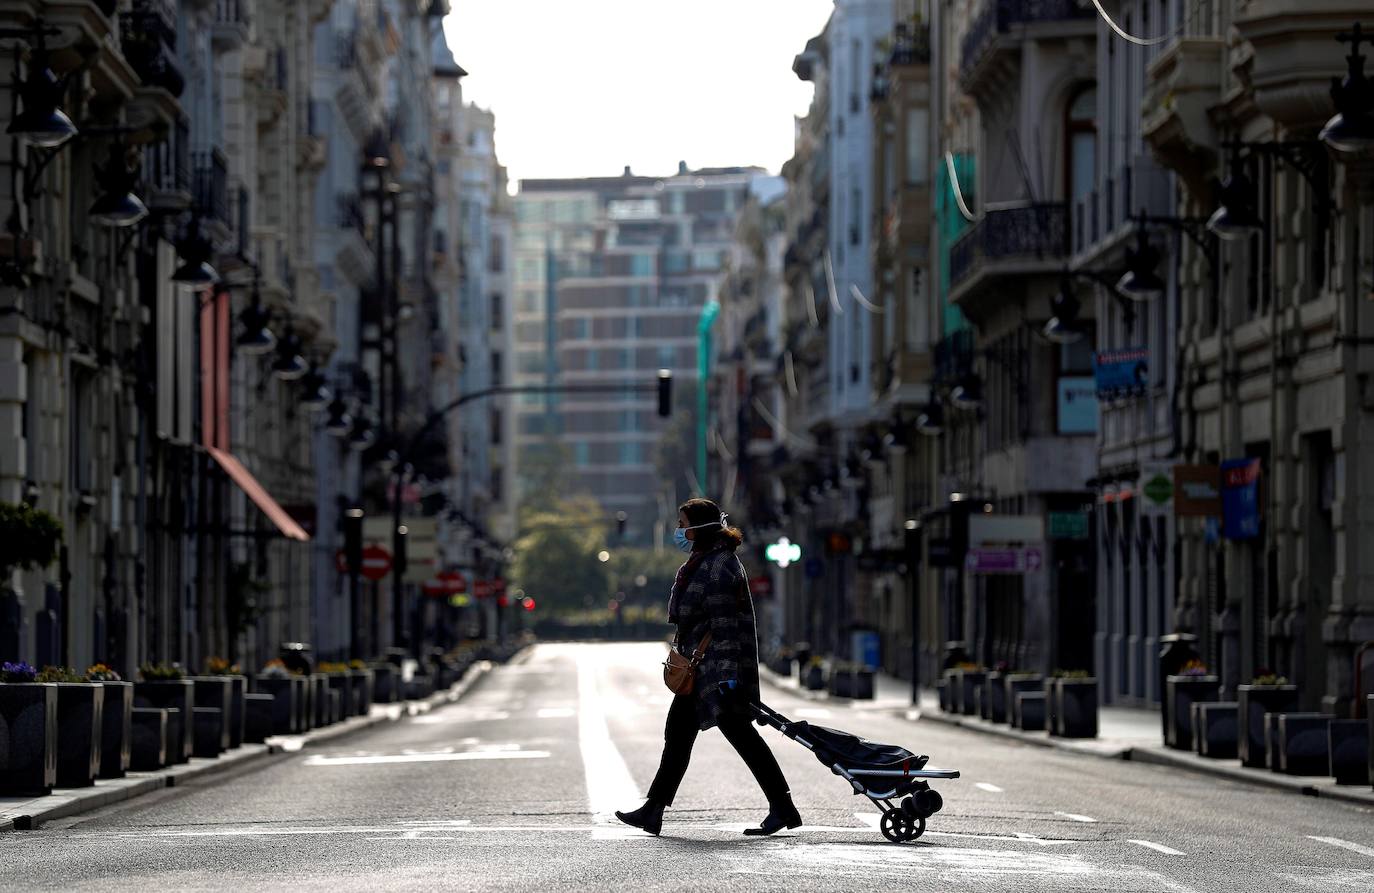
(1193,684)
(288,710)
(815,674)
(1072,704)
(1267,692)
(80,726)
(340,681)
(28,709)
(116,733)
(165,686)
(363,679)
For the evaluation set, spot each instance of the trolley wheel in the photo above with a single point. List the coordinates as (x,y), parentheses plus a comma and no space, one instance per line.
(915,829)
(909,807)
(896,826)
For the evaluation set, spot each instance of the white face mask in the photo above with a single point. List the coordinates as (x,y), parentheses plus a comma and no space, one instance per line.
(680,535)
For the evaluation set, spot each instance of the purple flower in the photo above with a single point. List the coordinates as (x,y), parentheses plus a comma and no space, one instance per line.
(17,672)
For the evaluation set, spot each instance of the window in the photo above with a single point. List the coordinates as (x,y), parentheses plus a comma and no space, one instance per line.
(498,311)
(497,367)
(1080,174)
(641,265)
(856,214)
(496,257)
(496,427)
(917,147)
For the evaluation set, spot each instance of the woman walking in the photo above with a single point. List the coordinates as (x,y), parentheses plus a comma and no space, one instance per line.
(711,595)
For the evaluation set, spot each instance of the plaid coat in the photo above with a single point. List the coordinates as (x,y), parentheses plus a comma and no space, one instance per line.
(717,599)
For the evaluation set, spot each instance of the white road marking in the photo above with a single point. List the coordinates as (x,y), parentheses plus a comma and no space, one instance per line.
(427,758)
(1076,817)
(1343,844)
(555,712)
(1157,847)
(813,713)
(990,788)
(874,822)
(609,783)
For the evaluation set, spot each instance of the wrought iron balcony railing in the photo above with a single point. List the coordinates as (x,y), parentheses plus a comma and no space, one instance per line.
(910,46)
(230,12)
(167,165)
(212,186)
(1034,231)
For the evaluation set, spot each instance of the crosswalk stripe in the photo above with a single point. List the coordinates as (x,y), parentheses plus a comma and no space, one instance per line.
(1344,844)
(1157,847)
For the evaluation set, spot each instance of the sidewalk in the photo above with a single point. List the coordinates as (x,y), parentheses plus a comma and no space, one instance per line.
(1124,733)
(26,814)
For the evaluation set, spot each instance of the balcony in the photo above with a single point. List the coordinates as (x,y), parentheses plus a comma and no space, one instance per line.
(212,187)
(274,82)
(149,44)
(910,46)
(990,49)
(167,170)
(231,24)
(1295,55)
(1105,216)
(1008,242)
(1182,86)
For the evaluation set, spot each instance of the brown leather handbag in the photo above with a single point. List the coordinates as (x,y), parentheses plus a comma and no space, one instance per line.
(680,671)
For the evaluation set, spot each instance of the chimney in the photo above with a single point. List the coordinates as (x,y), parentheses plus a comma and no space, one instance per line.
(627,172)
(682,168)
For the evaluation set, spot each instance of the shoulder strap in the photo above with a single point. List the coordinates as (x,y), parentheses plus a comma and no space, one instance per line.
(702,646)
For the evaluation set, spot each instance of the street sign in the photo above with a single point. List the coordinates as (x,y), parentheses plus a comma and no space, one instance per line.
(1004,561)
(376,563)
(482,589)
(1068,525)
(783,552)
(1121,373)
(1197,491)
(447,583)
(761,586)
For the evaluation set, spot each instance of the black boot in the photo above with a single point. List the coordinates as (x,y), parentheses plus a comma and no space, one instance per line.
(780,815)
(649,817)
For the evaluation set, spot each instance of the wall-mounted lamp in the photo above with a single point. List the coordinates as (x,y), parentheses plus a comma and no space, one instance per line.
(119,206)
(1351,130)
(195,251)
(289,364)
(42,122)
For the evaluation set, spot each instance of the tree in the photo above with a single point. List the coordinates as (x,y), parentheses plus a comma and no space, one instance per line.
(556,554)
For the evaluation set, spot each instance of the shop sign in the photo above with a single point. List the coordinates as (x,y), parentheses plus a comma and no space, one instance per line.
(1197,491)
(1240,503)
(1156,488)
(1121,373)
(1077,405)
(1020,560)
(1068,525)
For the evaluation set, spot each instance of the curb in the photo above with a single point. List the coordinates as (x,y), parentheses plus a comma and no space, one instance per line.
(1086,746)
(66,802)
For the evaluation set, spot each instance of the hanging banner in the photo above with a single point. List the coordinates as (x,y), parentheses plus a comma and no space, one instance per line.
(1077,405)
(1240,500)
(1121,373)
(1197,491)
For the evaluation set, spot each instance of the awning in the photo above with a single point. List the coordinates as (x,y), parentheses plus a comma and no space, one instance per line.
(261,498)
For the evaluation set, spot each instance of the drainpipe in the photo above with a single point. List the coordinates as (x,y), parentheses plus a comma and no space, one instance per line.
(708,317)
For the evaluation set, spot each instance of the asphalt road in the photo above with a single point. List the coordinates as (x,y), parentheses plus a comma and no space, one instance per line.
(511,789)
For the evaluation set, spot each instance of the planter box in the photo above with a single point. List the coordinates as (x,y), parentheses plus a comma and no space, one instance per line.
(1301,741)
(336,700)
(1252,702)
(286,714)
(1369,718)
(28,746)
(954,690)
(80,728)
(238,690)
(1030,711)
(1074,708)
(842,683)
(970,680)
(342,684)
(1215,729)
(815,679)
(319,700)
(208,723)
(1017,684)
(172,694)
(386,684)
(116,734)
(420,686)
(1347,741)
(1180,694)
(992,697)
(215,693)
(863,685)
(361,702)
(258,717)
(148,741)
(942,694)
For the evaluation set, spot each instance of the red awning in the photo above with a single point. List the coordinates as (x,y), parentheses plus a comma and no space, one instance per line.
(261,498)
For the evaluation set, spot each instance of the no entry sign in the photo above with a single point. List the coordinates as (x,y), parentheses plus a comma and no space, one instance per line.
(376,563)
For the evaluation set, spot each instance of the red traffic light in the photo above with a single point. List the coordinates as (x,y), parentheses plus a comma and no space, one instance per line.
(527,603)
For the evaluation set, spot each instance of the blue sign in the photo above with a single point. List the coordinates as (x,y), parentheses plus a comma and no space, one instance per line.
(1240,501)
(813,568)
(1077,405)
(1120,373)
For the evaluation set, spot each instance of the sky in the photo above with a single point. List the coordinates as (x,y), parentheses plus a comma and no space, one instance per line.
(582,89)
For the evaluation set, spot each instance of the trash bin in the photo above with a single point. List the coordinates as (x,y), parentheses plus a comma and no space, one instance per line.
(1175,650)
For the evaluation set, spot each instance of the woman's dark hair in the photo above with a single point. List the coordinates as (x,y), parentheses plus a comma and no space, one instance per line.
(704,511)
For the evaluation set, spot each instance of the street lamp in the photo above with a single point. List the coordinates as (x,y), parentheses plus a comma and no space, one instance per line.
(1141,282)
(42,123)
(289,365)
(1235,219)
(1064,327)
(317,394)
(195,251)
(1351,130)
(967,395)
(118,207)
(340,422)
(931,420)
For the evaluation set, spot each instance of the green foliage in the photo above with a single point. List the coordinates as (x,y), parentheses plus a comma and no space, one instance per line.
(59,674)
(556,555)
(1071,674)
(1268,677)
(161,672)
(28,537)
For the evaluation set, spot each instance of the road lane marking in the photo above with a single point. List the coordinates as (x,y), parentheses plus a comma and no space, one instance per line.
(1076,817)
(813,713)
(427,757)
(1344,844)
(555,712)
(1157,847)
(990,788)
(609,783)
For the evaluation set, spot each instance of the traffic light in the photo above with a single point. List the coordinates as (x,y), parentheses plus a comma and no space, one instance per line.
(665,393)
(398,549)
(353,540)
(620,519)
(527,603)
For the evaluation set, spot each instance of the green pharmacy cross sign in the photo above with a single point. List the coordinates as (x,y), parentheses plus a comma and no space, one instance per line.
(783,552)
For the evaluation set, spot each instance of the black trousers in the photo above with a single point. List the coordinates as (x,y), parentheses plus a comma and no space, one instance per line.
(680,733)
